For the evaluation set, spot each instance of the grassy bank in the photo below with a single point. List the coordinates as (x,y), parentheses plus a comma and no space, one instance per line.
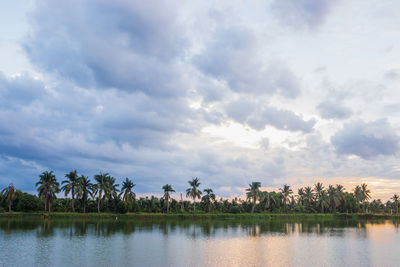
(264,216)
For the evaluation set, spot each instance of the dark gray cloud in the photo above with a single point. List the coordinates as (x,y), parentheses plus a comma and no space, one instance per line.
(366,139)
(20,90)
(332,110)
(129,45)
(302,13)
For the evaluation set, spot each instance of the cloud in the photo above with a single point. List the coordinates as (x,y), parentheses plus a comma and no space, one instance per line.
(128,87)
(234,56)
(129,45)
(332,110)
(392,74)
(366,139)
(258,115)
(302,13)
(19,90)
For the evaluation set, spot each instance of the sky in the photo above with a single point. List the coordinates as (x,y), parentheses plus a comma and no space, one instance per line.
(278,91)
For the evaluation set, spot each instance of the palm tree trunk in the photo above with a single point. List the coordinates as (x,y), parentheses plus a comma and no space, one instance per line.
(194,204)
(9,205)
(98,202)
(84,205)
(267,202)
(49,205)
(73,193)
(182,207)
(254,205)
(167,205)
(45,204)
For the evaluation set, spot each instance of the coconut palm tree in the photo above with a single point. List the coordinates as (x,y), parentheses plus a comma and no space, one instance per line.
(358,194)
(9,194)
(194,191)
(319,195)
(395,199)
(208,198)
(101,187)
(324,201)
(267,198)
(167,189)
(112,191)
(253,192)
(48,187)
(126,190)
(301,196)
(340,192)
(286,191)
(308,196)
(84,190)
(334,198)
(365,191)
(365,195)
(70,186)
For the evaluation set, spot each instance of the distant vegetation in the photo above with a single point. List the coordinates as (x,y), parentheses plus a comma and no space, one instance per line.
(104,195)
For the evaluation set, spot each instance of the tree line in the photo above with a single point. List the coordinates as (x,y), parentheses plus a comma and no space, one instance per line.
(104,195)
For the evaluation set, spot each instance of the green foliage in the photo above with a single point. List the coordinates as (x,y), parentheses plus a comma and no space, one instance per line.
(47,188)
(28,203)
(103,196)
(122,207)
(234,209)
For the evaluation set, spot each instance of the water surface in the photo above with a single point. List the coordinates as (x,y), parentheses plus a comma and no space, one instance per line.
(207,242)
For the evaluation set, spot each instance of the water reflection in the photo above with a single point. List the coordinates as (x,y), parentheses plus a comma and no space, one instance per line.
(193,229)
(182,242)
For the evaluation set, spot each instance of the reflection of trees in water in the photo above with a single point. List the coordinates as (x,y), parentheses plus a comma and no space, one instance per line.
(198,228)
(45,229)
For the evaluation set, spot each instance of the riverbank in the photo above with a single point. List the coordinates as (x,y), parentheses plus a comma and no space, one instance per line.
(265,216)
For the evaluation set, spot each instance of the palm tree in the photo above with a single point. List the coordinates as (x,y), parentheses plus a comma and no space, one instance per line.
(167,189)
(84,189)
(101,187)
(396,202)
(266,196)
(358,194)
(208,198)
(112,191)
(48,187)
(319,194)
(9,194)
(126,190)
(324,201)
(70,185)
(308,195)
(286,191)
(340,192)
(194,191)
(301,198)
(365,191)
(333,196)
(366,194)
(253,192)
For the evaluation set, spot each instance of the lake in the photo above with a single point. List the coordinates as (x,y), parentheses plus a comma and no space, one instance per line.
(201,242)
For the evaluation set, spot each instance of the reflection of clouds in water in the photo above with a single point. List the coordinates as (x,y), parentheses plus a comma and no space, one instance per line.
(175,242)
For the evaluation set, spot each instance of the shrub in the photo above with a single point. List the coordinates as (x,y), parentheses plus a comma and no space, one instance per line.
(234,209)
(122,207)
(28,202)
